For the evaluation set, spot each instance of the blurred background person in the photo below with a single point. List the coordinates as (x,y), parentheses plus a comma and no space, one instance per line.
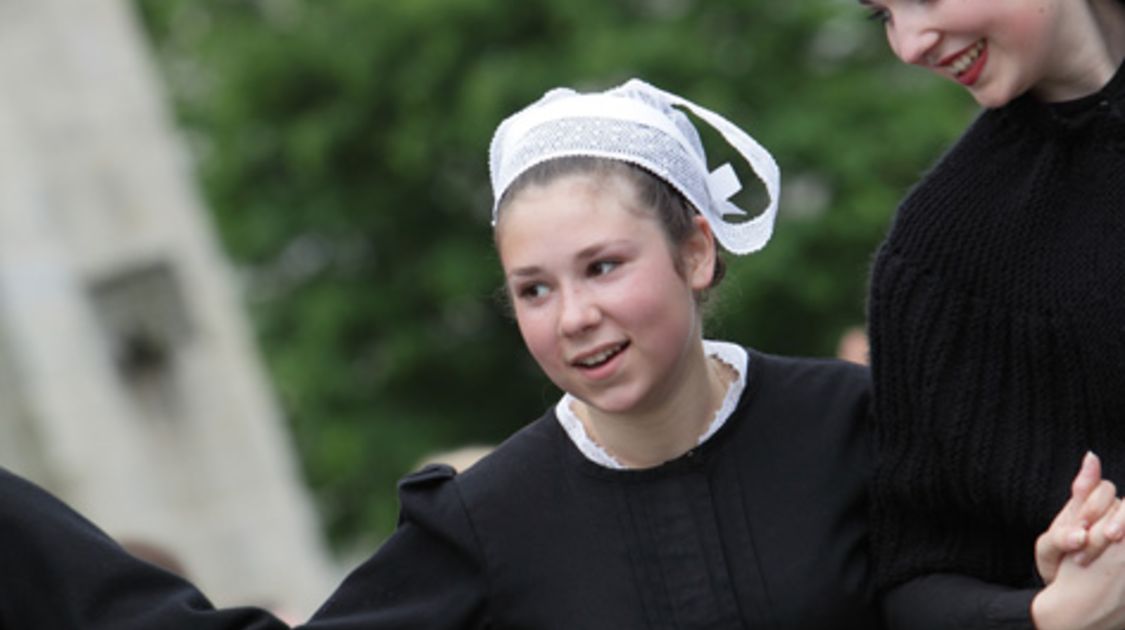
(853,345)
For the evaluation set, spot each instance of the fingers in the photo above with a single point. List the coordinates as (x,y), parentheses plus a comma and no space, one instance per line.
(1103,533)
(1055,543)
(1115,526)
(1099,509)
(1093,492)
(1089,501)
(1089,474)
(1097,504)
(1077,512)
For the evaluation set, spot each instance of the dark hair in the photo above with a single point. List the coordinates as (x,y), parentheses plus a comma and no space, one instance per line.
(655,195)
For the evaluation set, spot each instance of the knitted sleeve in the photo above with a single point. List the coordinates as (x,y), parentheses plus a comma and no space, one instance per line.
(955,602)
(938,445)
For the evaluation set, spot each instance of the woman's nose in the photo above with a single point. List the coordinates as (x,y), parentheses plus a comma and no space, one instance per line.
(579,311)
(913,39)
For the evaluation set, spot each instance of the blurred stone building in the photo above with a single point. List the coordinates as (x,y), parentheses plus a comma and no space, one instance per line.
(129,382)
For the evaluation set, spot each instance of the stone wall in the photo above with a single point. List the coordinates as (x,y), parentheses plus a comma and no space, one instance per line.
(129,382)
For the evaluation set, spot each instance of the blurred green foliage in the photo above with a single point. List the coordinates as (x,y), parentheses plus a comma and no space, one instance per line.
(341,145)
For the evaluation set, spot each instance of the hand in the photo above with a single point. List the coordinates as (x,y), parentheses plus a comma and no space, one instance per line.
(1084,596)
(1088,522)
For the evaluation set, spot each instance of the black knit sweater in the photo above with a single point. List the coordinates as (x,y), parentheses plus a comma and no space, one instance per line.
(997,320)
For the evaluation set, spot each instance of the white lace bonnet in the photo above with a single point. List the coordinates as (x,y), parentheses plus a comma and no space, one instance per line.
(638,123)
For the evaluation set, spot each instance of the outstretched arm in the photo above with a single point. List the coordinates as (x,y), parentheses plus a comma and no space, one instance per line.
(61,571)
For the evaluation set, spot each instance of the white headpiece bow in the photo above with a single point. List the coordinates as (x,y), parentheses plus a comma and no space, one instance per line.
(638,123)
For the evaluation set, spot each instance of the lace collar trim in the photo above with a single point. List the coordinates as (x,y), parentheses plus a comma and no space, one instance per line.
(729,353)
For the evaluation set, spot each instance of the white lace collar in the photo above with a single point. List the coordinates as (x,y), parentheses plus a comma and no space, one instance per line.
(733,355)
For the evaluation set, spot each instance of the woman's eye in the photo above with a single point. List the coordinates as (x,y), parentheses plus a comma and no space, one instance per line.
(532,291)
(602,267)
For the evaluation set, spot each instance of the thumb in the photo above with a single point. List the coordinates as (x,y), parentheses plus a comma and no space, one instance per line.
(1067,532)
(1088,477)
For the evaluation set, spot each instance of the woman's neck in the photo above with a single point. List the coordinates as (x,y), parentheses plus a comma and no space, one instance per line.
(1097,50)
(650,438)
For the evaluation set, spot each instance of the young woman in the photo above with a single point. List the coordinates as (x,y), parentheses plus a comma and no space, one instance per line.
(996,311)
(678,482)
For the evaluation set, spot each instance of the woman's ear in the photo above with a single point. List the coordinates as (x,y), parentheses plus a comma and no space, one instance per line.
(698,253)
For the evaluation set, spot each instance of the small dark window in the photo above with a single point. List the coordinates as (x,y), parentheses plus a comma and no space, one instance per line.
(144,314)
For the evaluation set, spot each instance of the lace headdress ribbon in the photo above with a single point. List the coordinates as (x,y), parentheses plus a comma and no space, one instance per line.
(639,123)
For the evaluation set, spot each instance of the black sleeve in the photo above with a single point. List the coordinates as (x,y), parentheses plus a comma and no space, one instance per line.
(426,576)
(956,602)
(58,570)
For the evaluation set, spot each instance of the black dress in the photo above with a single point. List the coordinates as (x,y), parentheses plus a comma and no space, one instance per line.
(761,526)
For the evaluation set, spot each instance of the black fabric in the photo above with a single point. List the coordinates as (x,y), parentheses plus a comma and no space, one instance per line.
(59,572)
(763,526)
(942,602)
(997,324)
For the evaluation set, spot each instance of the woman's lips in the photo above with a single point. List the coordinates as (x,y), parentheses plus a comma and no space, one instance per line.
(601,362)
(967,65)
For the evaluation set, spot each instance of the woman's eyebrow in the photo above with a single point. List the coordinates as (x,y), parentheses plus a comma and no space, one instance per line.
(525,272)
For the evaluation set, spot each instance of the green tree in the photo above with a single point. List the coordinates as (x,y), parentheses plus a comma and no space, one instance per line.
(342,147)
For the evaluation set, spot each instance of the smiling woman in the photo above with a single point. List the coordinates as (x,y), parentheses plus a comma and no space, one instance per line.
(998,50)
(651,494)
(996,311)
(671,485)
